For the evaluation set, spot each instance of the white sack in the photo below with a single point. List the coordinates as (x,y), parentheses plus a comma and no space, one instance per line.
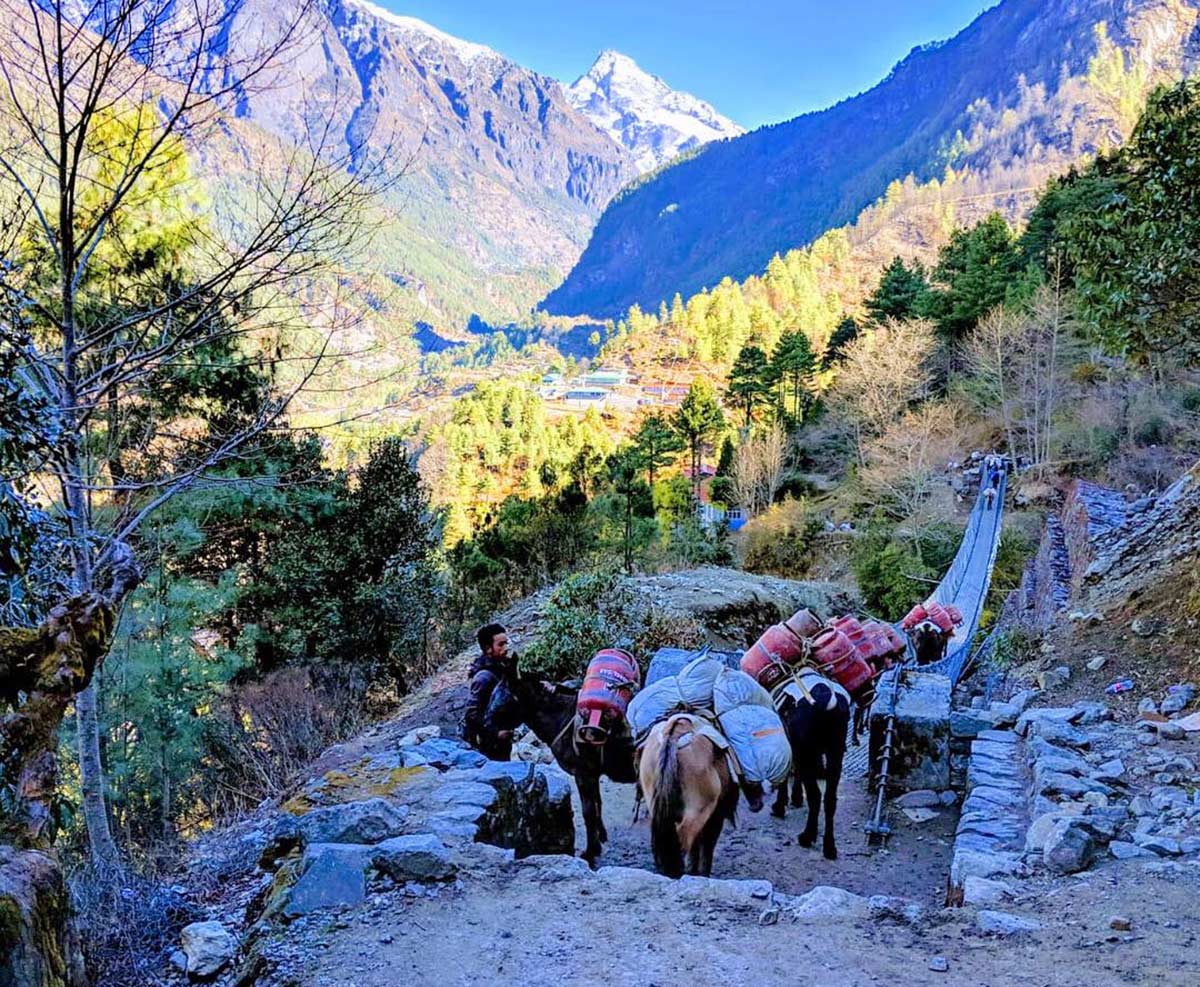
(696,682)
(734,687)
(654,703)
(760,742)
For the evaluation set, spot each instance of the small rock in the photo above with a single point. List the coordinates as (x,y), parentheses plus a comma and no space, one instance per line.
(948,797)
(1190,723)
(1113,770)
(1097,663)
(1171,731)
(208,946)
(1144,627)
(420,735)
(1164,846)
(1085,617)
(921,815)
(922,798)
(365,821)
(421,857)
(1069,848)
(981,891)
(1126,851)
(1093,712)
(178,959)
(769,916)
(1147,739)
(1120,923)
(938,964)
(1005,923)
(1052,678)
(823,902)
(1140,805)
(1174,703)
(1147,705)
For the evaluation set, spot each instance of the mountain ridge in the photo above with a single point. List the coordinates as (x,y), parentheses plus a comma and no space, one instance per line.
(726,208)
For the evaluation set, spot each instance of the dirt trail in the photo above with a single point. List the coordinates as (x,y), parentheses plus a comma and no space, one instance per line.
(524,928)
(914,864)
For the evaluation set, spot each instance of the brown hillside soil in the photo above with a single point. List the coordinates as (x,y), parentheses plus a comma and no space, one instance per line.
(1171,655)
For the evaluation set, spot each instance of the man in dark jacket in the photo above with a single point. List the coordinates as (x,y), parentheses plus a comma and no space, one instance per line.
(493,666)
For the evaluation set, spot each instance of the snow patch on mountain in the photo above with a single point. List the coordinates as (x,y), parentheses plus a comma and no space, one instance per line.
(642,113)
(467,51)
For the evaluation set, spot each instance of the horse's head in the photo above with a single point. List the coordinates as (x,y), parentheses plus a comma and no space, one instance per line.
(753,792)
(928,641)
(530,700)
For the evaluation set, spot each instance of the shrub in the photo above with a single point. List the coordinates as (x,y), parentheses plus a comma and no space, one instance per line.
(1013,646)
(574,625)
(778,540)
(894,573)
(1153,431)
(593,610)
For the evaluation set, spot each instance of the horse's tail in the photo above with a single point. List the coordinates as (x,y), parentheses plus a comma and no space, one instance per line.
(666,810)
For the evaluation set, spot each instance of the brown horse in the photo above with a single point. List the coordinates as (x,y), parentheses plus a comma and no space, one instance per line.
(690,792)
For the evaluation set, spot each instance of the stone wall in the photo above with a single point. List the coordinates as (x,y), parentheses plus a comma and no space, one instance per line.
(1090,513)
(1158,535)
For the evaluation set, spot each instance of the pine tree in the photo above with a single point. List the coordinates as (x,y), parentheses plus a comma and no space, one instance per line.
(697,420)
(750,381)
(793,365)
(657,444)
(901,292)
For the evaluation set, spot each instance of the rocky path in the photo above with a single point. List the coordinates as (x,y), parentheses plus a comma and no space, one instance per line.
(914,863)
(529,926)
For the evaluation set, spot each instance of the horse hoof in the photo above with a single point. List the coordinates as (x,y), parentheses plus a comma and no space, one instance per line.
(779,813)
(806,841)
(830,853)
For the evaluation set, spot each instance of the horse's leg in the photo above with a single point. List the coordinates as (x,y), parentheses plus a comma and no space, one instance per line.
(813,793)
(726,809)
(779,809)
(833,765)
(708,840)
(797,787)
(694,862)
(589,797)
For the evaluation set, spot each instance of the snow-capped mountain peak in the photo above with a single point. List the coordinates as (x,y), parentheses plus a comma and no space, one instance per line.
(467,51)
(644,114)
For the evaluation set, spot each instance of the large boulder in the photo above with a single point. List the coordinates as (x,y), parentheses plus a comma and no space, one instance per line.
(331,875)
(367,821)
(1069,848)
(420,857)
(208,947)
(38,941)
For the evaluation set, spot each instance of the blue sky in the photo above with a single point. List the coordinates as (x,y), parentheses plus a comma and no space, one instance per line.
(758,61)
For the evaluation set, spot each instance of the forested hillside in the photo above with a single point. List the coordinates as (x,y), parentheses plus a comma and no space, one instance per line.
(1004,92)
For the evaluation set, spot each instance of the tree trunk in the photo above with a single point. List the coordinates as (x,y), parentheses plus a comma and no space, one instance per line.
(91,778)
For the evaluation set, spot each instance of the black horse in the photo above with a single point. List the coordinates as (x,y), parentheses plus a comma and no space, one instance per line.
(816,728)
(549,711)
(929,642)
